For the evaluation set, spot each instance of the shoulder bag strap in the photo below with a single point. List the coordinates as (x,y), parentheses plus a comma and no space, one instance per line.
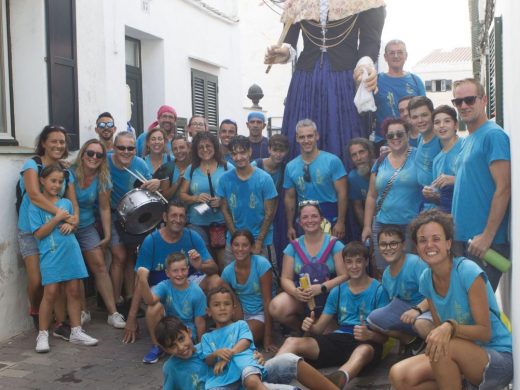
(390,183)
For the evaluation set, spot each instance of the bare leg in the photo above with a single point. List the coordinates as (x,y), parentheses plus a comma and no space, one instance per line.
(257,328)
(287,310)
(154,314)
(312,378)
(50,294)
(360,357)
(254,382)
(60,305)
(129,272)
(414,373)
(34,281)
(96,263)
(306,347)
(423,328)
(72,288)
(117,268)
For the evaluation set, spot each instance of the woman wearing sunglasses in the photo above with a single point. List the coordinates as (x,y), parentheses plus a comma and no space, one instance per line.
(315,253)
(93,186)
(155,152)
(394,193)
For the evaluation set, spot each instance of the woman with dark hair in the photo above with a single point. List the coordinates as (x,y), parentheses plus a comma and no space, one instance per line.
(251,278)
(394,193)
(174,170)
(199,187)
(196,124)
(445,128)
(315,253)
(470,347)
(51,148)
(155,151)
(93,185)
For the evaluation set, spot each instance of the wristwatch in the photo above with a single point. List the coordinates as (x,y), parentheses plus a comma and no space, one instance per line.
(324,289)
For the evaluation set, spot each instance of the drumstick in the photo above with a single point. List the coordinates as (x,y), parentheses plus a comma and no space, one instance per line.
(286,27)
(142,179)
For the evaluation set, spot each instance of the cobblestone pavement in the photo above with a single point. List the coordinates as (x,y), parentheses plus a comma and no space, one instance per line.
(110,365)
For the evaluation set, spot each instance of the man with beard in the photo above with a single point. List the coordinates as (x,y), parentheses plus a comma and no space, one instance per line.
(361,153)
(259,144)
(105,129)
(166,120)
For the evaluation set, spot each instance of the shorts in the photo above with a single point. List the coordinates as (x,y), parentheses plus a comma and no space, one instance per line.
(498,373)
(283,368)
(88,237)
(258,317)
(247,371)
(388,318)
(196,278)
(28,244)
(336,348)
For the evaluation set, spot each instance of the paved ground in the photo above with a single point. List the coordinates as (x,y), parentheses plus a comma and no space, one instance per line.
(110,365)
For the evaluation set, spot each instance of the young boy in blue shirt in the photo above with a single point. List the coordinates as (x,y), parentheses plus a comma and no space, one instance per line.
(187,370)
(353,345)
(178,296)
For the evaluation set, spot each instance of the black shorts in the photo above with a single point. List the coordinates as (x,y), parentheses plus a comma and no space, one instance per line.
(336,348)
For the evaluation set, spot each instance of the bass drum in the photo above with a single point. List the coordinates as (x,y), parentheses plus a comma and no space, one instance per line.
(139,211)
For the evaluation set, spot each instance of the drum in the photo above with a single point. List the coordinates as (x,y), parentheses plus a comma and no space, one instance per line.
(139,211)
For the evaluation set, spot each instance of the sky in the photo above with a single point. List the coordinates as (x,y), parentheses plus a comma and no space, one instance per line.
(425,25)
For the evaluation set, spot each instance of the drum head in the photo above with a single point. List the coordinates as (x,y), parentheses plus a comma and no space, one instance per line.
(140,211)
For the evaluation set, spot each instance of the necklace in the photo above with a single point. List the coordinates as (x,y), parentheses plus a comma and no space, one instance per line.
(324,42)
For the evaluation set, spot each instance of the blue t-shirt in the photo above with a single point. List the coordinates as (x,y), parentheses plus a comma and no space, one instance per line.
(424,159)
(298,263)
(227,337)
(445,162)
(199,184)
(260,149)
(147,159)
(185,304)
(474,187)
(357,186)
(23,216)
(60,254)
(88,199)
(245,200)
(324,170)
(123,181)
(455,305)
(154,251)
(403,201)
(140,144)
(349,308)
(186,374)
(250,293)
(405,285)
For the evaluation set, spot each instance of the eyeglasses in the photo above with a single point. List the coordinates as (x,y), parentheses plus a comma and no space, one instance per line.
(103,125)
(306,173)
(391,245)
(397,53)
(197,124)
(127,148)
(469,100)
(396,135)
(308,203)
(91,154)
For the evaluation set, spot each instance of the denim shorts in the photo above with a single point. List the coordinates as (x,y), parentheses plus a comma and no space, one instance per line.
(283,368)
(498,372)
(258,317)
(388,317)
(247,371)
(88,237)
(28,244)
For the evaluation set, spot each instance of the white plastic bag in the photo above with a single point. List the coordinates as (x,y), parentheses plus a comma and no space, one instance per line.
(364,100)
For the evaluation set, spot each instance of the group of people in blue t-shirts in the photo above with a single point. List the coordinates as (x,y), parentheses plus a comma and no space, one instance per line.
(211,278)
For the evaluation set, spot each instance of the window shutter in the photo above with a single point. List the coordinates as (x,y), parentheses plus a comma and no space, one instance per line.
(494,70)
(428,85)
(204,91)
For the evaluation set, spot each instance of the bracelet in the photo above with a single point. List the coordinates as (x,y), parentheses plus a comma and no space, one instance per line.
(418,309)
(453,324)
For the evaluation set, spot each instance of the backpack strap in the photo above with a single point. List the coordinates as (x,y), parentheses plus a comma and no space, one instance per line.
(328,249)
(299,250)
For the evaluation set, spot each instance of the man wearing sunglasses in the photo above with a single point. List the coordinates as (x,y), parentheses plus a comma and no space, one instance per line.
(315,174)
(123,246)
(105,129)
(483,181)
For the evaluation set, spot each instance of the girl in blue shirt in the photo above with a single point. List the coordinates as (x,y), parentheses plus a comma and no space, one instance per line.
(469,343)
(251,278)
(92,184)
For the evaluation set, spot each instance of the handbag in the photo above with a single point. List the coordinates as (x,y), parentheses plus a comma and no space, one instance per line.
(217,235)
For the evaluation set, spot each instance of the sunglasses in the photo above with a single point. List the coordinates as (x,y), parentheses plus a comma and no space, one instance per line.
(308,202)
(306,173)
(127,148)
(103,125)
(469,100)
(391,244)
(91,154)
(396,135)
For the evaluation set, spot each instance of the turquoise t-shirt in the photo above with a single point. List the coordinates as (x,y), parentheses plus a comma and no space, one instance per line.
(147,159)
(298,263)
(474,187)
(123,181)
(424,159)
(324,170)
(227,337)
(405,285)
(445,162)
(185,304)
(245,200)
(350,308)
(250,293)
(455,305)
(186,374)
(199,184)
(357,186)
(403,201)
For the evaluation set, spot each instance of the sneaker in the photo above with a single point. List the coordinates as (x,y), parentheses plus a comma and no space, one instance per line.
(116,320)
(62,331)
(338,378)
(42,342)
(414,347)
(85,317)
(78,336)
(153,356)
